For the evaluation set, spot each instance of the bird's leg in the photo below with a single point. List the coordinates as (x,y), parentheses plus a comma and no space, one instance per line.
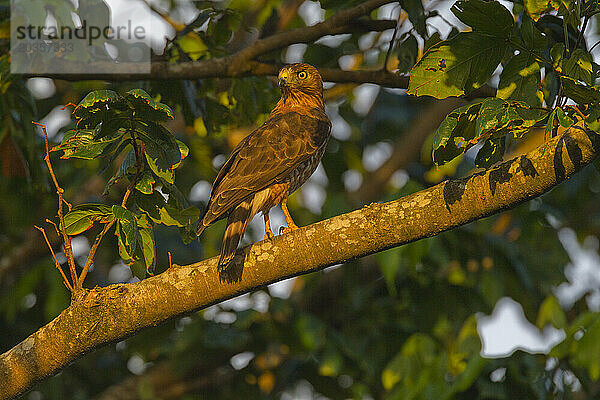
(291,226)
(268,232)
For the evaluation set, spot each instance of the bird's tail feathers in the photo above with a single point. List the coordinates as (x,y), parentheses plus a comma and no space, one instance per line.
(236,226)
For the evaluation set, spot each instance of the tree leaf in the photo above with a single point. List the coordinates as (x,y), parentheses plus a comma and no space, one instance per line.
(161,150)
(183,150)
(126,231)
(159,211)
(81,144)
(127,167)
(407,53)
(83,216)
(580,93)
(492,115)
(535,8)
(579,66)
(593,119)
(467,125)
(94,103)
(520,80)
(456,66)
(531,35)
(453,134)
(491,152)
(490,18)
(145,183)
(147,250)
(587,349)
(563,119)
(147,107)
(416,15)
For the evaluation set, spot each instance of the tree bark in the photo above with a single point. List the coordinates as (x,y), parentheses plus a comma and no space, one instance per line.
(102,315)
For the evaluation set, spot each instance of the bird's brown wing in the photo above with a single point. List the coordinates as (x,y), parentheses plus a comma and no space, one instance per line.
(267,156)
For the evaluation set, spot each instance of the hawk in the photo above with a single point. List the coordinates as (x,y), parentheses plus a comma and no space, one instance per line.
(273,161)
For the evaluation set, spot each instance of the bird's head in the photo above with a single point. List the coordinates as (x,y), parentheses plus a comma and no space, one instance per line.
(300,77)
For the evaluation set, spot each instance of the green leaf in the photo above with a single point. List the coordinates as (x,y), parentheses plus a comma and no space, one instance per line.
(126,168)
(520,80)
(434,39)
(390,263)
(535,8)
(140,258)
(551,312)
(159,211)
(127,232)
(580,93)
(491,152)
(456,66)
(592,121)
(407,54)
(521,117)
(147,107)
(467,125)
(83,216)
(81,144)
(162,151)
(492,115)
(95,102)
(147,250)
(570,344)
(531,35)
(579,66)
(550,125)
(490,18)
(145,183)
(112,125)
(453,134)
(183,150)
(416,15)
(563,119)
(557,53)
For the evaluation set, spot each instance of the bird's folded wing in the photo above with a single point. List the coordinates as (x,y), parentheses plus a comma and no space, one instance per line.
(265,157)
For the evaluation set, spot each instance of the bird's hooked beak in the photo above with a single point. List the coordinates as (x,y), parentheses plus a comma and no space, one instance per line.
(283,79)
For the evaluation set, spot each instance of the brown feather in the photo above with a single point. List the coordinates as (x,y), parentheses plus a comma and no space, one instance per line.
(236,226)
(274,160)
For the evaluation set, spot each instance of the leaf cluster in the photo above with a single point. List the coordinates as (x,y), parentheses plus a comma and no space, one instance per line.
(526,50)
(128,130)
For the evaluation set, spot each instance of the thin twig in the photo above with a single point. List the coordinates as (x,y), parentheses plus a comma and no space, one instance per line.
(60,191)
(90,257)
(56,263)
(391,47)
(170,260)
(55,226)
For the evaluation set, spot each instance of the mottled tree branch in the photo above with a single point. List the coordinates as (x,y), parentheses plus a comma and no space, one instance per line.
(103,315)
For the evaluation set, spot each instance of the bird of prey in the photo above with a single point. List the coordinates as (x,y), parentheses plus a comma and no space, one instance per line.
(273,161)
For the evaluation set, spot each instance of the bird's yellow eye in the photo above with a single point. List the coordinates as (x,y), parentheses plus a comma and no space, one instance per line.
(302,75)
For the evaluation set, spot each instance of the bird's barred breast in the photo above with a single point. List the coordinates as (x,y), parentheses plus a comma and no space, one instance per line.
(302,172)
